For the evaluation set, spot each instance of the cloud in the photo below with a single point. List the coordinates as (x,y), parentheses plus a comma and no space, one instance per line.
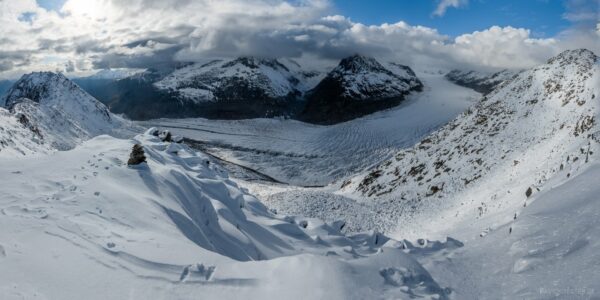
(87,35)
(445,4)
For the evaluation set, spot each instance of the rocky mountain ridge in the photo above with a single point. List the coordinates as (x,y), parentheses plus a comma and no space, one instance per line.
(541,124)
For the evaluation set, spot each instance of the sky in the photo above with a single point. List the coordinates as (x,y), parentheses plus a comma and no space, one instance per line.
(542,17)
(85,36)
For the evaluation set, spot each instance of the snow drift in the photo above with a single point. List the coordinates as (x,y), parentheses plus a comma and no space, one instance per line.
(176,219)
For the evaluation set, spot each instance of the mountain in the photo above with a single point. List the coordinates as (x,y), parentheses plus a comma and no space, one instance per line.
(58,110)
(252,87)
(358,86)
(246,87)
(242,79)
(538,126)
(480,81)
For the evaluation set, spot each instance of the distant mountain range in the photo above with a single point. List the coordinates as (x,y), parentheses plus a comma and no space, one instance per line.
(251,87)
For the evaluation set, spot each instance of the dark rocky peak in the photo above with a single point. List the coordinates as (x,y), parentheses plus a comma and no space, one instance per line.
(255,62)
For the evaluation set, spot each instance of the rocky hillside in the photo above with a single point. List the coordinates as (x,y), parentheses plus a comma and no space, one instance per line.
(541,124)
(358,86)
(58,111)
(480,81)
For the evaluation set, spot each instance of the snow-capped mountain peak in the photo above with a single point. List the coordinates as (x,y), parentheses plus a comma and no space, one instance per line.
(60,111)
(57,91)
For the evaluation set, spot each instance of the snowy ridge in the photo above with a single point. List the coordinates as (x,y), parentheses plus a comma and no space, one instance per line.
(93,226)
(539,125)
(221,80)
(60,111)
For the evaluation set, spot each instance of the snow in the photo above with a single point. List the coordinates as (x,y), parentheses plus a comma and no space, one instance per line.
(18,140)
(552,251)
(179,228)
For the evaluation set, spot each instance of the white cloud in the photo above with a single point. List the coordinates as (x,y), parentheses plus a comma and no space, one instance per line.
(445,4)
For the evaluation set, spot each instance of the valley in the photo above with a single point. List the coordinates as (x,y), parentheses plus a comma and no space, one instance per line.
(422,200)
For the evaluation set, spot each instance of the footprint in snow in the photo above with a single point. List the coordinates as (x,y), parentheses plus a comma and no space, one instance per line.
(198,272)
(2,252)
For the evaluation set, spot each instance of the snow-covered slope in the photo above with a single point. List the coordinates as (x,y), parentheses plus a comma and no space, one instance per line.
(358,86)
(244,78)
(531,129)
(62,114)
(480,81)
(76,222)
(547,250)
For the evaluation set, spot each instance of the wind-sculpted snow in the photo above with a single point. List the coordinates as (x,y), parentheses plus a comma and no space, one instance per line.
(176,227)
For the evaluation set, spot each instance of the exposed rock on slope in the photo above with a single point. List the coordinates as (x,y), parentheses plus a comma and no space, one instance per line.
(540,124)
(19,136)
(358,86)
